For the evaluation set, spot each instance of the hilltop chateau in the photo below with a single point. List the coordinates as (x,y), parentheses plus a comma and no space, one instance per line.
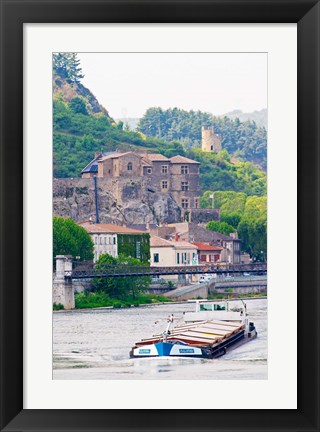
(178,176)
(135,187)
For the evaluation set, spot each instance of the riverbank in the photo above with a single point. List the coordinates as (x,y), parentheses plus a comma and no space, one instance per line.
(97,299)
(160,302)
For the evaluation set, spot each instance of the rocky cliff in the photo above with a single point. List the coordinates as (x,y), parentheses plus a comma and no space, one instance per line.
(120,201)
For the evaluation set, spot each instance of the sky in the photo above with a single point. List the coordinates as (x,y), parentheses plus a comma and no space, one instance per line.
(127,84)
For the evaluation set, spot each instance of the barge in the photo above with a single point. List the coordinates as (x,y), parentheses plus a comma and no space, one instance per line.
(209,332)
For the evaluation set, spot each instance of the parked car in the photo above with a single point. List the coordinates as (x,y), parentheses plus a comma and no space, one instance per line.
(205,278)
(246,274)
(157,280)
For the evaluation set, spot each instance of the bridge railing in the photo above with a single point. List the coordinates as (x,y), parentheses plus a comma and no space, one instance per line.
(84,270)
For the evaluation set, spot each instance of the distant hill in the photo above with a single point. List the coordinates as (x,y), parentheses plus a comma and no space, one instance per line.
(259,117)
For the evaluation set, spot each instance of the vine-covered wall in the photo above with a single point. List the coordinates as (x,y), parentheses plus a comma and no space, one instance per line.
(135,246)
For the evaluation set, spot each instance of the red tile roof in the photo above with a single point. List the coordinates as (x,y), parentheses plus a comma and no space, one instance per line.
(206,247)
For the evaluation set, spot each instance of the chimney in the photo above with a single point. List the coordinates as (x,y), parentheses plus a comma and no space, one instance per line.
(97,154)
(176,236)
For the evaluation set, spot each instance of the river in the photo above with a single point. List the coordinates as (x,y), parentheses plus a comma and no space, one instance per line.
(95,344)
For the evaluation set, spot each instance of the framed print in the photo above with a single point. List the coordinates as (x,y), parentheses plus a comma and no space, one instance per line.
(170,54)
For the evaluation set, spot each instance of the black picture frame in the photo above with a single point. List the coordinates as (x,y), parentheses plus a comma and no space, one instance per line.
(14,14)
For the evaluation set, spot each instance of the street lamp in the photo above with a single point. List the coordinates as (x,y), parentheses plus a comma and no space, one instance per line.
(212,197)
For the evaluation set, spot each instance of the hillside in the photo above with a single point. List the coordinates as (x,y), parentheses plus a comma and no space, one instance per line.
(81,127)
(243,140)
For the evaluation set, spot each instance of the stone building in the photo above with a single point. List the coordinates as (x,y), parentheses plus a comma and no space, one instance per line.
(211,142)
(177,176)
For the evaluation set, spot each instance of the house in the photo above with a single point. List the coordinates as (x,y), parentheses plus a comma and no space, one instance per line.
(116,239)
(192,232)
(166,253)
(208,253)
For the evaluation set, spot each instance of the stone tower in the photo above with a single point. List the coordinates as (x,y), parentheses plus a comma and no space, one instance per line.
(211,142)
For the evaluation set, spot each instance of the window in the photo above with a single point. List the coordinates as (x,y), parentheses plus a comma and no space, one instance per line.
(184,257)
(149,170)
(164,184)
(196,202)
(114,240)
(184,185)
(101,238)
(184,169)
(130,166)
(178,258)
(164,169)
(184,203)
(156,257)
(203,258)
(138,250)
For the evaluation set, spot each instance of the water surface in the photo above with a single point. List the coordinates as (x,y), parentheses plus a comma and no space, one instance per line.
(95,344)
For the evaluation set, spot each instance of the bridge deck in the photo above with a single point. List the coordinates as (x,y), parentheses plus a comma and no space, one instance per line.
(84,271)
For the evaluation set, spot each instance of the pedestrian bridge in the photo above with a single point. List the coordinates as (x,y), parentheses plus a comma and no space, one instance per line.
(88,270)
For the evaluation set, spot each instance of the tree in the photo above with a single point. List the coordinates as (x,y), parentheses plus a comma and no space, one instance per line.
(245,140)
(75,71)
(221,227)
(78,106)
(67,66)
(253,227)
(120,287)
(71,239)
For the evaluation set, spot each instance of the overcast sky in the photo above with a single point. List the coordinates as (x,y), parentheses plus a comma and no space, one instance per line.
(128,84)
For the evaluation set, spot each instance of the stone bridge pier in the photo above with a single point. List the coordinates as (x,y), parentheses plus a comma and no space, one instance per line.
(63,289)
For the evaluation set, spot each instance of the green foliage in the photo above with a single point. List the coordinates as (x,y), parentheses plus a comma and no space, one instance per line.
(221,227)
(247,214)
(123,286)
(57,306)
(78,106)
(230,203)
(218,173)
(77,136)
(253,227)
(71,239)
(244,140)
(97,299)
(135,246)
